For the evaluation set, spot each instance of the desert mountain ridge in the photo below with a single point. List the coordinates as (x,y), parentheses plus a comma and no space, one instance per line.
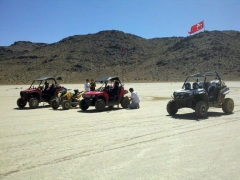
(115,53)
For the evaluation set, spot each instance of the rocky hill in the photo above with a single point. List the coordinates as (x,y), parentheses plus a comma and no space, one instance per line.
(115,53)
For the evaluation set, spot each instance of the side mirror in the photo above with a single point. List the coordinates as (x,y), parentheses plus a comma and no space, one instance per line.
(59,78)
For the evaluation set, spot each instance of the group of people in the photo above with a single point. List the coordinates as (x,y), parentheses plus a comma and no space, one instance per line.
(134,99)
(89,86)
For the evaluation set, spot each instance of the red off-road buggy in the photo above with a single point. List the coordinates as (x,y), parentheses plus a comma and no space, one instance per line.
(43,89)
(106,95)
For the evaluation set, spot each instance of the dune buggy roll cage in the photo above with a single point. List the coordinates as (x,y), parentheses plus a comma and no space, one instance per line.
(204,76)
(44,79)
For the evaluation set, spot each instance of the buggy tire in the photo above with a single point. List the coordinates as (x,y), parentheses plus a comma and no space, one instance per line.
(55,104)
(33,103)
(125,102)
(201,109)
(100,105)
(21,103)
(172,108)
(228,106)
(66,105)
(83,105)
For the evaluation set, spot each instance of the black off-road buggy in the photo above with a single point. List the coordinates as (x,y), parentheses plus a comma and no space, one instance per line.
(43,89)
(206,90)
(106,95)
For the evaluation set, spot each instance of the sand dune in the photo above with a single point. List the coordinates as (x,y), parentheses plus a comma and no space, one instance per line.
(118,144)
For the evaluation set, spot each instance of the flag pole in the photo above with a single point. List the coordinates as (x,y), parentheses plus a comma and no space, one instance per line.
(204,25)
(122,64)
(122,51)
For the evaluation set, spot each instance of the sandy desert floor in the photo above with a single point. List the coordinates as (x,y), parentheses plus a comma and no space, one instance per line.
(145,143)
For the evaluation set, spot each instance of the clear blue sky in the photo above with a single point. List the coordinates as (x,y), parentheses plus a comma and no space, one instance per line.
(50,21)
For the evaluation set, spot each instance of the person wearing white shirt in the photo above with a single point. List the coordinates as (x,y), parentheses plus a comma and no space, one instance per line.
(87,85)
(135,100)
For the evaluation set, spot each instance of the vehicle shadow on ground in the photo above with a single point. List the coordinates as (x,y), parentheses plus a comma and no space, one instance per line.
(192,116)
(28,108)
(107,110)
(61,109)
(187,116)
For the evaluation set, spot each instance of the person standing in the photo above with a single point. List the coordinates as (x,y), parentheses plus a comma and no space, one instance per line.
(134,99)
(87,85)
(92,85)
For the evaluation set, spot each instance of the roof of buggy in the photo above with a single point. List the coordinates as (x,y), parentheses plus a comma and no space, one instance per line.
(104,79)
(205,74)
(44,78)
(48,78)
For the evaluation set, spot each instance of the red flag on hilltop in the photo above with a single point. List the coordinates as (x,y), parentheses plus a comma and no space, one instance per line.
(196,27)
(122,50)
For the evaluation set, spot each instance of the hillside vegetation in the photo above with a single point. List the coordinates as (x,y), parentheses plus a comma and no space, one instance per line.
(78,57)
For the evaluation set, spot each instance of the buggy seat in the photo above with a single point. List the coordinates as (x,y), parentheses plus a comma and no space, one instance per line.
(213,89)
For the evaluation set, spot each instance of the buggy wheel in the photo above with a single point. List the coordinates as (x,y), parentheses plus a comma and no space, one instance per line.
(55,104)
(66,105)
(228,105)
(172,108)
(83,105)
(125,102)
(33,103)
(100,105)
(21,103)
(201,109)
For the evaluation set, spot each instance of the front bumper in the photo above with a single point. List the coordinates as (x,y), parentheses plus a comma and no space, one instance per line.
(183,100)
(90,101)
(24,96)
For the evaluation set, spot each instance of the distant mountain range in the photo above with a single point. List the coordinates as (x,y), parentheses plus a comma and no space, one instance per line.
(115,53)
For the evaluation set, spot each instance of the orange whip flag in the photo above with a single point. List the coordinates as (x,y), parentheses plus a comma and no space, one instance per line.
(196,27)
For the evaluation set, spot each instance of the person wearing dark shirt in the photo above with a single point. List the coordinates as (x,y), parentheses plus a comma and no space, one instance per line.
(115,88)
(92,85)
